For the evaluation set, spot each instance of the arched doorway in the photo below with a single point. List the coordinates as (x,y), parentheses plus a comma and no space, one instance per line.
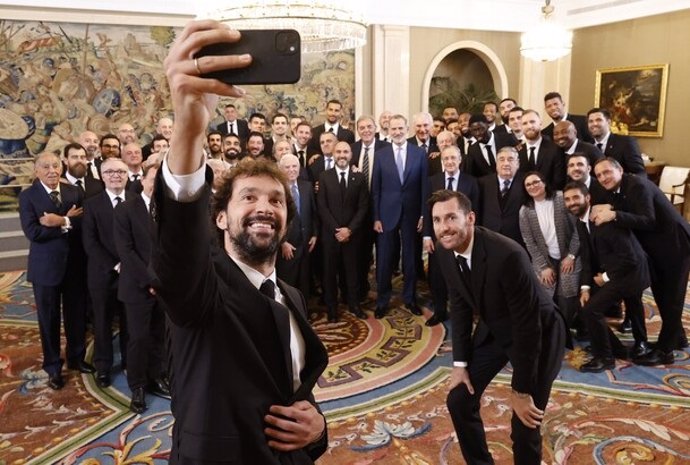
(464,75)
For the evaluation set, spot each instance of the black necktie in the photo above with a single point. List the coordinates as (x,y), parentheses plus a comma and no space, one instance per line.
(450,183)
(301,158)
(55,197)
(600,146)
(531,164)
(118,200)
(343,184)
(490,154)
(268,288)
(464,271)
(365,164)
(80,184)
(135,177)
(330,129)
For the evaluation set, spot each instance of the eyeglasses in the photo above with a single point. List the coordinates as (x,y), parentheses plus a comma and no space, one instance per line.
(114,172)
(533,183)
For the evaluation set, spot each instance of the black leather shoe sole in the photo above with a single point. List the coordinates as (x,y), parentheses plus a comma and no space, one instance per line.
(103,380)
(654,358)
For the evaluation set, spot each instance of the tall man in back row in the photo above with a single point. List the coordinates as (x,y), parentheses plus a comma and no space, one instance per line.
(490,275)
(245,358)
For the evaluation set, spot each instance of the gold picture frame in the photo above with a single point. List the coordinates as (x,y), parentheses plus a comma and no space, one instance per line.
(636,98)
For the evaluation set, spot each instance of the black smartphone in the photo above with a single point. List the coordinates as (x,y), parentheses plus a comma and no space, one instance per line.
(276,57)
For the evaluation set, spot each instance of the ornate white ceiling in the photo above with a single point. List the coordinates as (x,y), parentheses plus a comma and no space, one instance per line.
(497,15)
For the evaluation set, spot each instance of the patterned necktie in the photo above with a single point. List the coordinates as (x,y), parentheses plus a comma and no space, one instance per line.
(365,164)
(295,196)
(505,188)
(490,155)
(55,197)
(531,163)
(399,163)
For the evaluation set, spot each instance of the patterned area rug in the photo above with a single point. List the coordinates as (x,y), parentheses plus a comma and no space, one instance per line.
(383,393)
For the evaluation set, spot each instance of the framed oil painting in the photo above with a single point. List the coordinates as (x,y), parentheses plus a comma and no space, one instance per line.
(636,98)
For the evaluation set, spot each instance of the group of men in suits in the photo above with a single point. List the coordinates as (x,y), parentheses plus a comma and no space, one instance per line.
(85,265)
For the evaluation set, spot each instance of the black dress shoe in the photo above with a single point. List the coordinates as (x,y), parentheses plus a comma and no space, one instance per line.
(356,311)
(103,379)
(414,309)
(625,327)
(655,357)
(380,312)
(138,403)
(82,367)
(683,342)
(159,386)
(55,382)
(598,364)
(639,349)
(436,319)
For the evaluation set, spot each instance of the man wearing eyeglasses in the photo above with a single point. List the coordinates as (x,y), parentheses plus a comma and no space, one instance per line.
(104,267)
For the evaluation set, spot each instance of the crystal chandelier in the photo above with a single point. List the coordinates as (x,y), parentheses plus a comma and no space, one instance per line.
(324,25)
(547,40)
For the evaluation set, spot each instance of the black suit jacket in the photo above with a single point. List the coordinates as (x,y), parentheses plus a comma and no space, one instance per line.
(475,164)
(92,186)
(549,163)
(99,240)
(580,122)
(53,255)
(336,211)
(642,207)
(229,344)
(511,304)
(318,167)
(241,126)
(134,235)
(616,252)
(464,183)
(343,134)
(626,150)
(501,215)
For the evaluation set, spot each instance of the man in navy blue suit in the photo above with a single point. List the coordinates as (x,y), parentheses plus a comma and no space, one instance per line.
(398,186)
(50,214)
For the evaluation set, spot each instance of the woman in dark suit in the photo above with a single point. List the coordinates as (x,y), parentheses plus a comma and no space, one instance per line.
(552,242)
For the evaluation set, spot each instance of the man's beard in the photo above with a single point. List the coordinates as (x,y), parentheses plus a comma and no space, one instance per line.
(246,247)
(78,171)
(231,155)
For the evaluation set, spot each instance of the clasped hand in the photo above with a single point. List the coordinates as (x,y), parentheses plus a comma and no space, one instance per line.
(293,427)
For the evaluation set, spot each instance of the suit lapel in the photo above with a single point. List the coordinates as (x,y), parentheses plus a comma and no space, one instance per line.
(478,269)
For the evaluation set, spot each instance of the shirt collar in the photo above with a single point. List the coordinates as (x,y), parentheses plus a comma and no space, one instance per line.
(48,189)
(571,149)
(72,179)
(346,171)
(112,196)
(254,276)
